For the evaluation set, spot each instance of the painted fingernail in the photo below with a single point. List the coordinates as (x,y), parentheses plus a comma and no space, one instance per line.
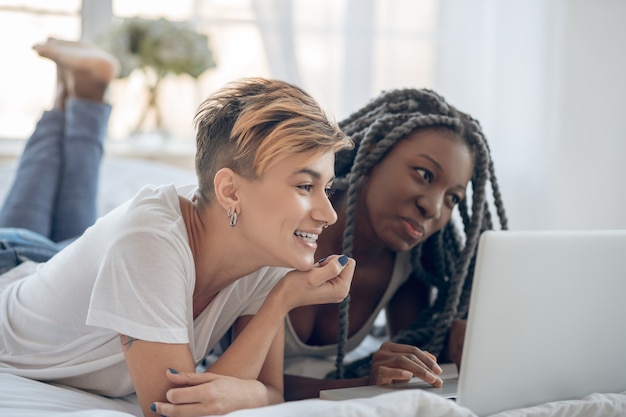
(343,260)
(174,371)
(153,407)
(322,260)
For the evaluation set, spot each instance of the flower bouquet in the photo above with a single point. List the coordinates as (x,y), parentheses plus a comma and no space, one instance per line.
(157,47)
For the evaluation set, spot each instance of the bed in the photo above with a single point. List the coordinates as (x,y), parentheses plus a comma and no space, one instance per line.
(120,179)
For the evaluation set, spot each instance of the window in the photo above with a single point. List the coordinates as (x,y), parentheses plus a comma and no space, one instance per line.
(27,82)
(343,52)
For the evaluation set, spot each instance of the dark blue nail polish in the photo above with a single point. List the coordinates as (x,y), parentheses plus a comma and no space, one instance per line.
(174,371)
(322,260)
(343,260)
(153,407)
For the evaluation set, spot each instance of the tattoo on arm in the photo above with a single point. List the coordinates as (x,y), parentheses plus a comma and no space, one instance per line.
(127,342)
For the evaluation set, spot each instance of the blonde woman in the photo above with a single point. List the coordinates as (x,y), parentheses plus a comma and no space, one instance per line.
(139,298)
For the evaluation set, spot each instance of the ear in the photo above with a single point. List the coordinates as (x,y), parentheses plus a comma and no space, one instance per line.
(226,192)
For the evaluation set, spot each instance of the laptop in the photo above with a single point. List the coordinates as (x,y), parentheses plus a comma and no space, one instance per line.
(546,322)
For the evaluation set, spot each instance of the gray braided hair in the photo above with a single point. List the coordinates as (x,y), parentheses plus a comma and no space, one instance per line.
(445,261)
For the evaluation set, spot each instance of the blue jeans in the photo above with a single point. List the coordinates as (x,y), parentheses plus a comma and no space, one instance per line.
(20,245)
(53,198)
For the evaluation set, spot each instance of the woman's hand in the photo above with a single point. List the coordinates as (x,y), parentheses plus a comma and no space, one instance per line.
(395,362)
(327,282)
(202,394)
(257,351)
(455,341)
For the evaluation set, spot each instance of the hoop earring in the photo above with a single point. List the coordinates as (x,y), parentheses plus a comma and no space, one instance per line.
(232,217)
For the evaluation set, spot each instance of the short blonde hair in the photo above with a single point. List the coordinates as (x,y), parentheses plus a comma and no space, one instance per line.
(249,123)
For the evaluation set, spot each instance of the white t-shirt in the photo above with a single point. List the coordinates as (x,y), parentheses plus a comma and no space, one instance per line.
(130,273)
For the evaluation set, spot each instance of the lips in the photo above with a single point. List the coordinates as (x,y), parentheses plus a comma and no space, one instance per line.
(414,229)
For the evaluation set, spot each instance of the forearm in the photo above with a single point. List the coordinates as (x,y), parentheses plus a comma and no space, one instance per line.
(147,363)
(208,393)
(256,394)
(245,357)
(272,395)
(299,387)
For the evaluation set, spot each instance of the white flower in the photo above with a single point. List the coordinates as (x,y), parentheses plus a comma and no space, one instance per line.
(163,45)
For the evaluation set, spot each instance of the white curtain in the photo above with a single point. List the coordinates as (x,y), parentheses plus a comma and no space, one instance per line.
(359,36)
(96,16)
(275,23)
(345,52)
(545,78)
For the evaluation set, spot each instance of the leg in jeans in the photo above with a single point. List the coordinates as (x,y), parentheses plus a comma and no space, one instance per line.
(31,198)
(87,72)
(76,203)
(55,190)
(53,197)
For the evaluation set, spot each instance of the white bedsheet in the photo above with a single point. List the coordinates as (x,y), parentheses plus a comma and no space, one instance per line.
(120,179)
(22,397)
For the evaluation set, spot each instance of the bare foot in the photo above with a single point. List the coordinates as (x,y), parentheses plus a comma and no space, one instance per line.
(85,70)
(75,55)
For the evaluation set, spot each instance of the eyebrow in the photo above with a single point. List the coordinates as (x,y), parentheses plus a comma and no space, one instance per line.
(423,155)
(315,174)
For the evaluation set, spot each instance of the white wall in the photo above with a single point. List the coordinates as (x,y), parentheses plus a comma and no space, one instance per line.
(589,173)
(546,80)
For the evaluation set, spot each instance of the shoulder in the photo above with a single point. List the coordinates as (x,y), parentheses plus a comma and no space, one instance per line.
(150,224)
(152,207)
(155,195)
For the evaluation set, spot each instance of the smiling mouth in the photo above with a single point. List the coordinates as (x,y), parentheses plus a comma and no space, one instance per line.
(307,237)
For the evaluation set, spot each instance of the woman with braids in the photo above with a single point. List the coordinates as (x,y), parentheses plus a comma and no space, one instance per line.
(395,193)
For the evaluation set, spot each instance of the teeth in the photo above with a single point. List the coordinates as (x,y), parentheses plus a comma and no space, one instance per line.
(311,237)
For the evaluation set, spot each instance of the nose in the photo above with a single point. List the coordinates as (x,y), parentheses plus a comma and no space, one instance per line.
(430,204)
(323,210)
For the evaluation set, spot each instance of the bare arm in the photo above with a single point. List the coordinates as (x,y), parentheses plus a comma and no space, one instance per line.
(147,363)
(255,336)
(246,355)
(391,363)
(254,361)
(270,373)
(220,391)
(248,376)
(232,383)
